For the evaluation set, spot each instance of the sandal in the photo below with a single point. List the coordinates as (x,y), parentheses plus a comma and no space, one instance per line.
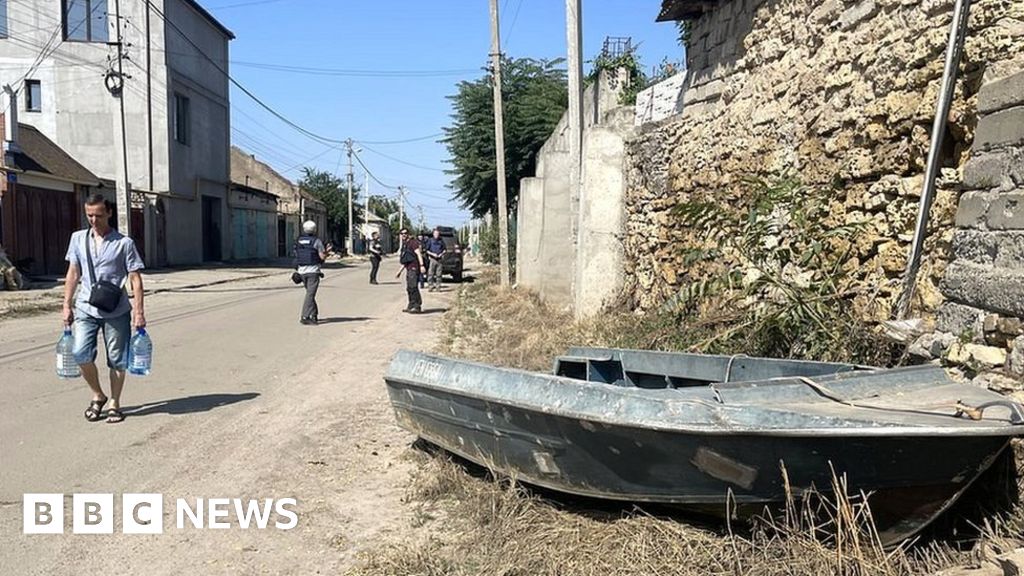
(95,409)
(114,415)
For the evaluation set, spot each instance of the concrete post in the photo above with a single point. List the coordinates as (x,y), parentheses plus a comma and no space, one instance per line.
(499,147)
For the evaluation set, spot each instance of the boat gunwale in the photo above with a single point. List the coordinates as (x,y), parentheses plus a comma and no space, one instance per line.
(961,427)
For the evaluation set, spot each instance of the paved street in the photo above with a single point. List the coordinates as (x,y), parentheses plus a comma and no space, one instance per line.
(244,402)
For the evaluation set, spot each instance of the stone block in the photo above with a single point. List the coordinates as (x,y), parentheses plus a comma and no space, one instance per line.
(960,320)
(1015,360)
(972,209)
(857,14)
(1001,169)
(1006,211)
(932,345)
(976,246)
(993,289)
(1010,325)
(998,383)
(1009,249)
(977,355)
(999,129)
(1001,94)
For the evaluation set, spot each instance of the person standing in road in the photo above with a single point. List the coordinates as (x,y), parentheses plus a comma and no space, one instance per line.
(422,240)
(310,254)
(376,253)
(96,300)
(411,259)
(435,252)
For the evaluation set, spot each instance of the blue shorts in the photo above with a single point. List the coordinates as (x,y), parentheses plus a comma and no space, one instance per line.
(116,335)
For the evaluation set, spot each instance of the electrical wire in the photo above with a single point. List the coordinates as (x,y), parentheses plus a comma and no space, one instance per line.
(385,142)
(400,161)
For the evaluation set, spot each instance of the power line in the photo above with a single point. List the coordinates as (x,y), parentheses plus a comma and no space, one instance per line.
(419,139)
(400,161)
(241,4)
(356,72)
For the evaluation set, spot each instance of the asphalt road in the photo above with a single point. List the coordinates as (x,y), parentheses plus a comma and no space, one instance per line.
(243,402)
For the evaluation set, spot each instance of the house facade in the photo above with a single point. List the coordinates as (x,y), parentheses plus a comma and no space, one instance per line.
(252,182)
(41,195)
(60,58)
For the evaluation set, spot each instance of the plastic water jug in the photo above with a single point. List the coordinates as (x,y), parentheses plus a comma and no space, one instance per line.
(66,365)
(140,353)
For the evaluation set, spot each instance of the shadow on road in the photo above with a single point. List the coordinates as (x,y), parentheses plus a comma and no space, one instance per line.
(344,319)
(433,311)
(189,404)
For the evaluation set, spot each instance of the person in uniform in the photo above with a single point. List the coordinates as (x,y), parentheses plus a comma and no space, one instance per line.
(310,254)
(376,253)
(411,259)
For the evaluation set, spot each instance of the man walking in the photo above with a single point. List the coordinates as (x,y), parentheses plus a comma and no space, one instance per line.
(108,258)
(411,259)
(435,252)
(376,253)
(310,254)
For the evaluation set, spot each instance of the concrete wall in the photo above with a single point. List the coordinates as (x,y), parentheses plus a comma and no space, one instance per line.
(81,116)
(661,101)
(599,252)
(548,256)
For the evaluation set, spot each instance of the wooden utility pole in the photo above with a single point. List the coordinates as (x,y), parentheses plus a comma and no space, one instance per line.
(499,146)
(351,238)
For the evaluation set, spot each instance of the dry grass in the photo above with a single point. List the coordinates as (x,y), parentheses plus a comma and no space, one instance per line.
(500,528)
(480,526)
(509,328)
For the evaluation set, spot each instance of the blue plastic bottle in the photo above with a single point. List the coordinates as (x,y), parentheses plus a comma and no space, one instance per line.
(140,353)
(66,365)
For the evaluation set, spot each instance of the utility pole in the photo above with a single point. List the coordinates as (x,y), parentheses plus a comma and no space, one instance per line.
(351,238)
(422,220)
(401,207)
(499,146)
(115,84)
(366,192)
(574,33)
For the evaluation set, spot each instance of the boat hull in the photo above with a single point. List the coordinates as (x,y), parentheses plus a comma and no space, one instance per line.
(909,479)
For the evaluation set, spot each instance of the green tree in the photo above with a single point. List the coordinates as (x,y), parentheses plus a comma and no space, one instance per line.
(387,208)
(535,96)
(333,192)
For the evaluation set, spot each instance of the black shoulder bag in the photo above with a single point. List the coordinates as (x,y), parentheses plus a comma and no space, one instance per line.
(105,296)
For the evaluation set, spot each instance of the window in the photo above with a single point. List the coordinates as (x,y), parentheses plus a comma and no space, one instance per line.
(182,119)
(3,18)
(85,20)
(33,96)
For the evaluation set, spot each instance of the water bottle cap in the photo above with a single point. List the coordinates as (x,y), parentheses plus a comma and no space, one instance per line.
(140,330)
(67,331)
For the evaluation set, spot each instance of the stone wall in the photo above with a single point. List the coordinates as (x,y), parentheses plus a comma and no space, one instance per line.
(980,324)
(838,93)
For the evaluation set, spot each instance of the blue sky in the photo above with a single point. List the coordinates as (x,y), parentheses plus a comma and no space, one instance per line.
(383,69)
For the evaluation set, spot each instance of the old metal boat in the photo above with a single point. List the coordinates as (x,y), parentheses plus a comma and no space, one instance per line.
(702,431)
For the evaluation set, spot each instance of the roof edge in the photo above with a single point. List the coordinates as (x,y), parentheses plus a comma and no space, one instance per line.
(210,17)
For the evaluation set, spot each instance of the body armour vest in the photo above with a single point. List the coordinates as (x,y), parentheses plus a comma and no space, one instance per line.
(306,253)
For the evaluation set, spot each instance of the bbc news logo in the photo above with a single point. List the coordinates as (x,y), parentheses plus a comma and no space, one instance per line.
(144,513)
